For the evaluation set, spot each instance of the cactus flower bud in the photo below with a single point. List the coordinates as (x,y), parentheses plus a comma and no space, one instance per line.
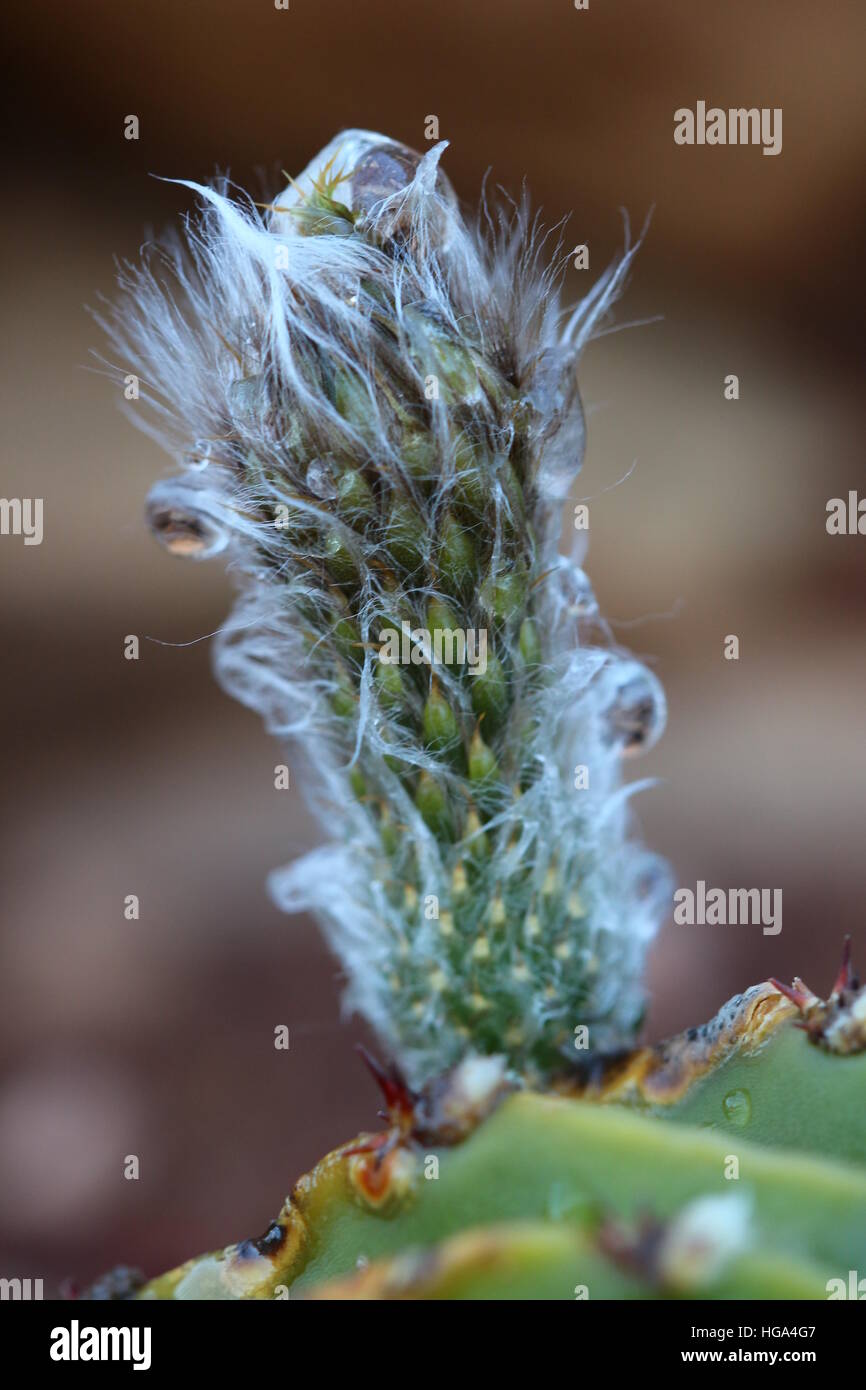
(378,408)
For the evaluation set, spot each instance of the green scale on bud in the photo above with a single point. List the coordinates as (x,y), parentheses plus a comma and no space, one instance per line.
(432,802)
(529,644)
(503,595)
(457,558)
(483,767)
(440,727)
(490,693)
(339,562)
(355,500)
(390,686)
(405,536)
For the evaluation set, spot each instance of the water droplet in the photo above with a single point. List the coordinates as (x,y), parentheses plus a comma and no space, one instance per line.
(551,391)
(199,456)
(637,712)
(380,173)
(247,396)
(178,521)
(575,591)
(320,478)
(737,1106)
(564,1201)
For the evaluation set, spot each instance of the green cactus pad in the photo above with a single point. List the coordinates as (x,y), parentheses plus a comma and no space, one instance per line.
(789,1094)
(777,1066)
(537,1260)
(570,1164)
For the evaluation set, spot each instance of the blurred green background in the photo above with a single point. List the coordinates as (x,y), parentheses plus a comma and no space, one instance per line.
(156,1037)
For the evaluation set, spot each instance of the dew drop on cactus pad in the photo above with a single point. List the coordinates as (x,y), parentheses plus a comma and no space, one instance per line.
(737,1106)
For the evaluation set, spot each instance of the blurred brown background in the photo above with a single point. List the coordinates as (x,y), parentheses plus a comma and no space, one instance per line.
(156,1037)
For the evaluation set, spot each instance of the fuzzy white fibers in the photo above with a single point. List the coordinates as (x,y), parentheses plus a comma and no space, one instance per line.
(287,353)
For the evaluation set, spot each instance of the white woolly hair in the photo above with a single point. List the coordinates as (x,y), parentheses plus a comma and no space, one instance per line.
(238,332)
